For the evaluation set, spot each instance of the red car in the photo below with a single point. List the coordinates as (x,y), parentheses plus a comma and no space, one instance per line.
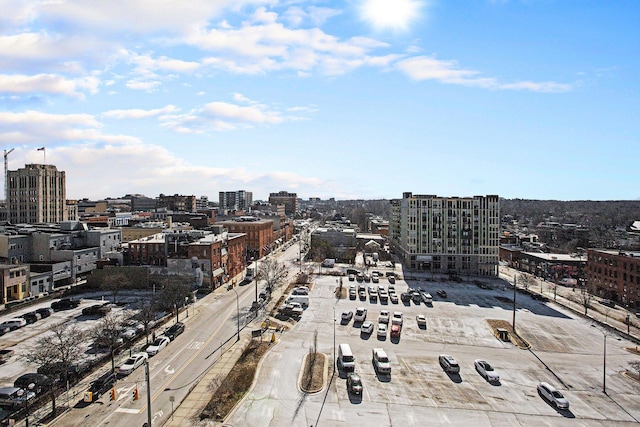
(395,331)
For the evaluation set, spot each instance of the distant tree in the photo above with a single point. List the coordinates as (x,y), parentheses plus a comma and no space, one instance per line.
(147,314)
(584,298)
(175,293)
(58,350)
(107,333)
(526,280)
(273,273)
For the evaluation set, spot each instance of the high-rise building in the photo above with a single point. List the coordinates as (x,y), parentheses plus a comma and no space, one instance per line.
(37,195)
(289,200)
(235,200)
(454,235)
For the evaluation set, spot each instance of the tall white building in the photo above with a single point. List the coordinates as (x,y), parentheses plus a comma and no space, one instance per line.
(455,235)
(37,194)
(235,200)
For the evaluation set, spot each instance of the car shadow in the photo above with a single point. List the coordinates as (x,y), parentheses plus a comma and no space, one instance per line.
(423,327)
(356,399)
(365,336)
(383,378)
(381,338)
(456,378)
(394,340)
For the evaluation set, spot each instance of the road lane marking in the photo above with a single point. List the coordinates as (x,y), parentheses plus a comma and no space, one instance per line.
(127,410)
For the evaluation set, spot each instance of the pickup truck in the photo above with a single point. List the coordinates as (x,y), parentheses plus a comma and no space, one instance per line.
(5,354)
(291,310)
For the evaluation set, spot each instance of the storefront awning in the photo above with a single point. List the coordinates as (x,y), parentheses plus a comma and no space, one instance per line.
(217,272)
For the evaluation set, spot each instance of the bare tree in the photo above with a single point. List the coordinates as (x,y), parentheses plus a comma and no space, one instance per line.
(526,280)
(273,273)
(57,350)
(147,314)
(584,299)
(107,333)
(176,292)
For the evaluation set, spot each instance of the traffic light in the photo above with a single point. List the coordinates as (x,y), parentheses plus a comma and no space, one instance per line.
(113,393)
(136,396)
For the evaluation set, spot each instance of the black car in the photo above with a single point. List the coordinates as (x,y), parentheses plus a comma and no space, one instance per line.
(102,384)
(174,331)
(44,312)
(31,317)
(65,304)
(41,383)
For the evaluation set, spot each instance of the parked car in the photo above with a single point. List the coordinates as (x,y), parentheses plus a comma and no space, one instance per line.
(442,293)
(367,327)
(129,334)
(41,383)
(174,330)
(158,344)
(4,329)
(552,395)
(393,297)
(449,364)
(45,312)
(361,315)
(405,297)
(486,370)
(346,317)
(13,324)
(382,330)
(380,361)
(65,304)
(426,297)
(352,277)
(391,279)
(14,397)
(362,294)
(133,362)
(102,384)
(92,310)
(395,331)
(397,318)
(383,317)
(31,317)
(421,320)
(354,383)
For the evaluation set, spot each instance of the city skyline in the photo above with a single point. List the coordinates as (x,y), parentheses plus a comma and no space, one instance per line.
(363,99)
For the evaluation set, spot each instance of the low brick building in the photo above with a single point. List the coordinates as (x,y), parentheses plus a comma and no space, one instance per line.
(614,275)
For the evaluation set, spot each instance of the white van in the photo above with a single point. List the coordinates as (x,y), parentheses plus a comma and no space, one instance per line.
(346,361)
(303,300)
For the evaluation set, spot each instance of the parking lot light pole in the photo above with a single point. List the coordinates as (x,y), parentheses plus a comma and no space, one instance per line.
(604,362)
(514,303)
(334,341)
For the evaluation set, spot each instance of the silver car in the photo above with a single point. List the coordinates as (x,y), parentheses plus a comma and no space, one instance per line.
(486,370)
(14,397)
(552,395)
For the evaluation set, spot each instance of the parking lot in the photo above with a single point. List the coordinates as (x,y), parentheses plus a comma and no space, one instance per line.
(565,351)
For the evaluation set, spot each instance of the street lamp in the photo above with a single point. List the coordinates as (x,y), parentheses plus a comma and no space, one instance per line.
(604,359)
(25,393)
(334,340)
(238,311)
(186,305)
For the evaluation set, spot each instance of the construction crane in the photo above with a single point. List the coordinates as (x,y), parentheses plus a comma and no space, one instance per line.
(6,180)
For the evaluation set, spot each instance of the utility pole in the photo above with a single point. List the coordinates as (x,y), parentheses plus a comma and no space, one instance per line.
(6,180)
(146,373)
(514,302)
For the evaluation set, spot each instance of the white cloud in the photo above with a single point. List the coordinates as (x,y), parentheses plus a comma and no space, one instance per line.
(47,83)
(428,68)
(136,113)
(225,116)
(37,129)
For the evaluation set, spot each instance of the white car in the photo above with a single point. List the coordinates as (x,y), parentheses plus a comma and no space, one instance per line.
(361,315)
(397,318)
(382,330)
(552,395)
(157,345)
(383,317)
(367,327)
(486,370)
(421,320)
(134,361)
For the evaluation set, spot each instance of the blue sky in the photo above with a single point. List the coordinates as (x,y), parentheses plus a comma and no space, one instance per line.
(345,99)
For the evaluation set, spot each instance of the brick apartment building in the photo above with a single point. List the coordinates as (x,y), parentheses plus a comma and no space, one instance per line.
(614,275)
